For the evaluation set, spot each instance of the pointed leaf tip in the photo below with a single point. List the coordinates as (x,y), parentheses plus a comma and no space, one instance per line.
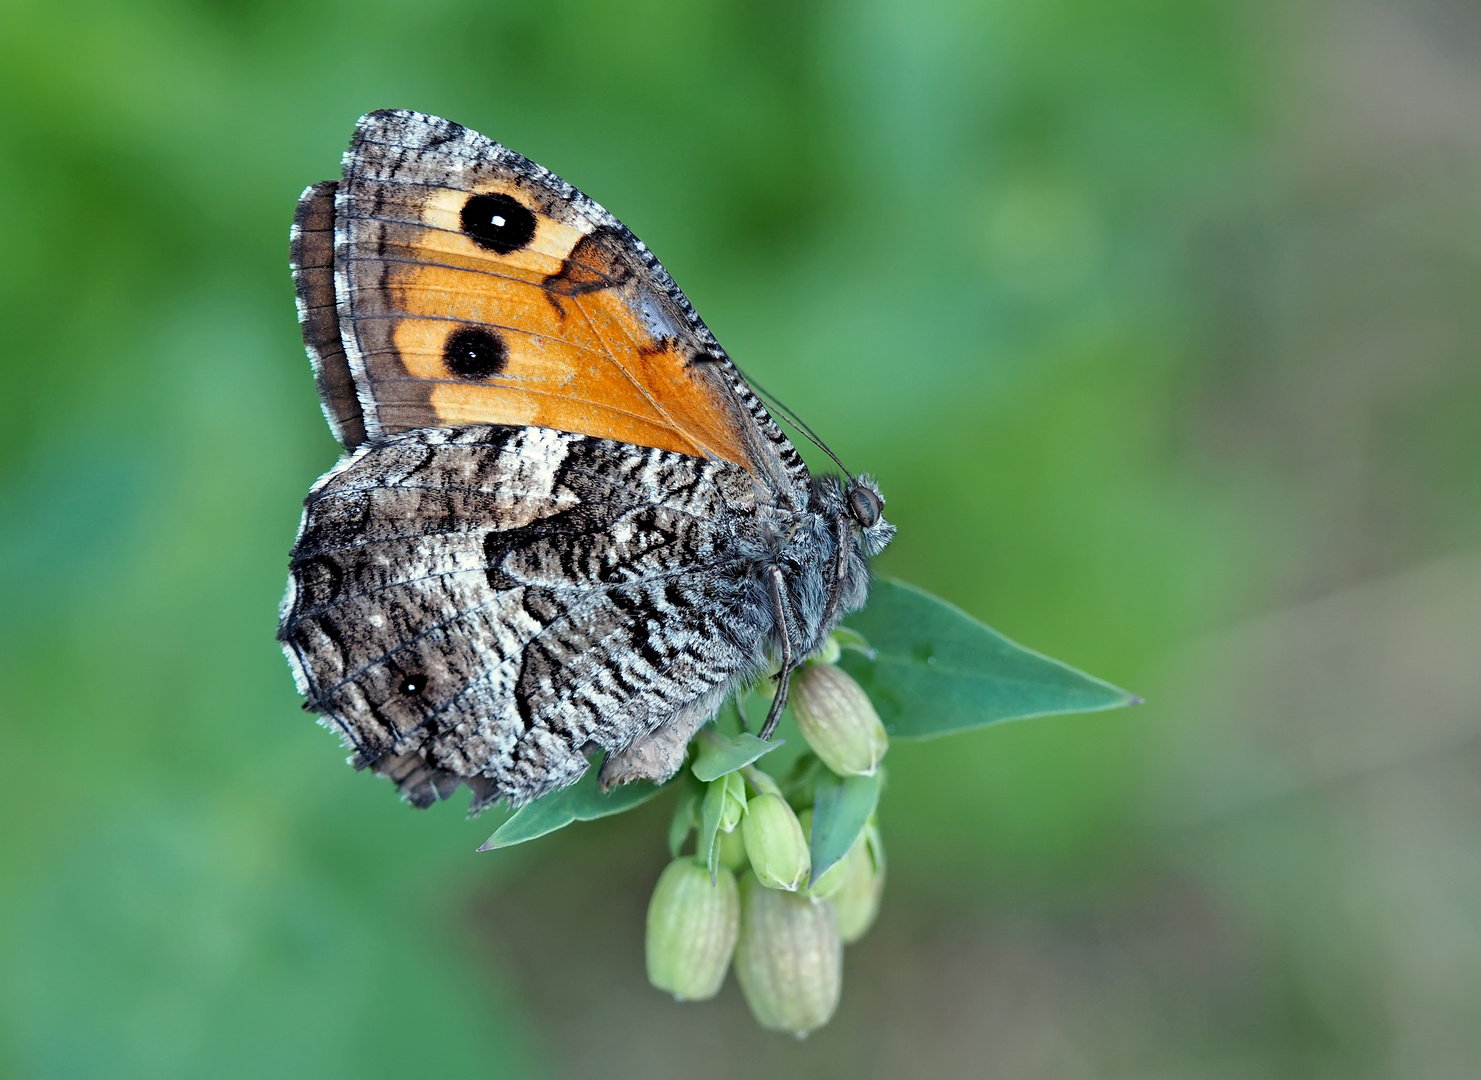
(720,754)
(938,670)
(841,809)
(582,801)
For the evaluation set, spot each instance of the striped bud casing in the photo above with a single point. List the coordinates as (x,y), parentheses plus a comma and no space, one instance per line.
(789,959)
(855,898)
(838,720)
(692,928)
(775,843)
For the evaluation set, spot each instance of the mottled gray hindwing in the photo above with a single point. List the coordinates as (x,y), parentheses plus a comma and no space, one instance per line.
(484,605)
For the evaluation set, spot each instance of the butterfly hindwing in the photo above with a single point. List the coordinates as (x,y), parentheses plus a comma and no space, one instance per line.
(485,604)
(476,287)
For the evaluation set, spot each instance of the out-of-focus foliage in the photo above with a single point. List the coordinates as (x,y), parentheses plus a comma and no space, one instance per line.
(1154,318)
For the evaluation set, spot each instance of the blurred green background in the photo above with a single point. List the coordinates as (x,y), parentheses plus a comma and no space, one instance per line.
(1157,320)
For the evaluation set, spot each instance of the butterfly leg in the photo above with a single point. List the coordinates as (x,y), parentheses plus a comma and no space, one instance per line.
(844,529)
(784,677)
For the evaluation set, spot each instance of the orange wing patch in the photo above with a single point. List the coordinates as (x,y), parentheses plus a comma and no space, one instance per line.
(550,331)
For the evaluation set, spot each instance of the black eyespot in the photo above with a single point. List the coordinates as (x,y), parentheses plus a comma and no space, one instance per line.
(475,352)
(498,222)
(412,684)
(864,505)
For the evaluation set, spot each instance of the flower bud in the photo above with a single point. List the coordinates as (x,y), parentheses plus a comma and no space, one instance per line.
(789,959)
(775,843)
(829,652)
(733,851)
(692,927)
(855,900)
(838,721)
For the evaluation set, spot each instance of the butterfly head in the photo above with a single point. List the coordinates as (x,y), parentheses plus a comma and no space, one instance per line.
(866,506)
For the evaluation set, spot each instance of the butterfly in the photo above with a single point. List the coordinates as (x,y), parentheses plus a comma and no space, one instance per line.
(563,522)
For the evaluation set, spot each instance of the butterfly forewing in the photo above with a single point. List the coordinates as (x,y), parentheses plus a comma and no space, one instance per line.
(476,287)
(311,255)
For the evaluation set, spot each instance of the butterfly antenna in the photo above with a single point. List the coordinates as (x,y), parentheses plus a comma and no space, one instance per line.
(796,420)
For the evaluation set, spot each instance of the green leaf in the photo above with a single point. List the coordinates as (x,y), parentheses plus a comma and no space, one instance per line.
(711,815)
(938,670)
(582,801)
(720,754)
(841,808)
(852,639)
(708,845)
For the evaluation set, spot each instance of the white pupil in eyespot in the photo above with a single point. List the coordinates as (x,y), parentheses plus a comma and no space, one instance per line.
(498,221)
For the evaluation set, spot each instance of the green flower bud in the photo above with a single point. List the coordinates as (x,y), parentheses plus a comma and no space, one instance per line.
(855,900)
(838,721)
(828,653)
(692,927)
(789,959)
(733,851)
(775,843)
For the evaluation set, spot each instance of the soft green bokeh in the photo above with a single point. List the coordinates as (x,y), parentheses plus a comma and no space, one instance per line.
(1155,320)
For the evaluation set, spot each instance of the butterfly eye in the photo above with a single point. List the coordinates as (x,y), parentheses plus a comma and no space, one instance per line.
(475,352)
(865,506)
(498,222)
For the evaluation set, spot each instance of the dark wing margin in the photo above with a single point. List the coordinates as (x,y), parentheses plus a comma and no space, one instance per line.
(311,255)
